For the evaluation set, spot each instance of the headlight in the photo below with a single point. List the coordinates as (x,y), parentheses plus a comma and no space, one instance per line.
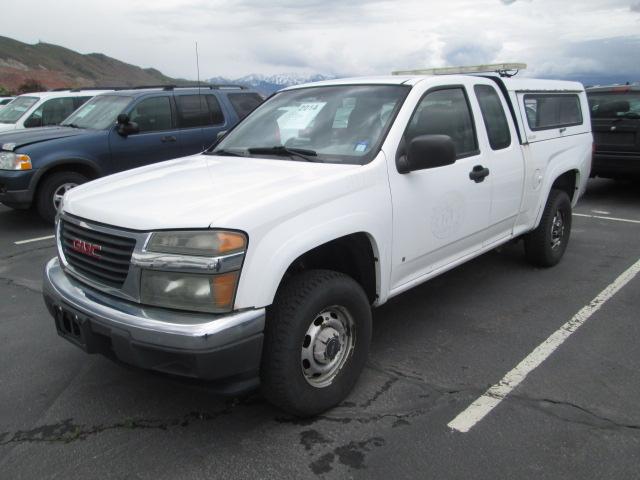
(187,291)
(14,161)
(204,243)
(197,270)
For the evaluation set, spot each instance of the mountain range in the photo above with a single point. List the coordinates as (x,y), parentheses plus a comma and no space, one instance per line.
(267,84)
(53,66)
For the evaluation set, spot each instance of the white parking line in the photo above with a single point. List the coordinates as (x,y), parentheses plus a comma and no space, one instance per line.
(31,240)
(615,219)
(494,395)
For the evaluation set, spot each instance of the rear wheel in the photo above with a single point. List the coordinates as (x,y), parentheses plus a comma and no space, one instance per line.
(545,246)
(51,191)
(316,342)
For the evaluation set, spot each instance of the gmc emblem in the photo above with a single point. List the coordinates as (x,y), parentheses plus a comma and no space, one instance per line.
(86,248)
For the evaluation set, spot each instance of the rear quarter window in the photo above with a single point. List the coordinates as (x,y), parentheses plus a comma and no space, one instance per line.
(495,120)
(244,103)
(545,111)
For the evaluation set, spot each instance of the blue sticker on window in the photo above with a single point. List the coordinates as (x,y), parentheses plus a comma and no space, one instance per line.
(361,146)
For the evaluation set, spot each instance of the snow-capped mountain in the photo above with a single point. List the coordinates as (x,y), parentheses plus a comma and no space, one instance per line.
(267,84)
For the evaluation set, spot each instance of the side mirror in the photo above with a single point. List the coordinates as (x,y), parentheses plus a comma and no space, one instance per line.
(33,121)
(427,151)
(125,126)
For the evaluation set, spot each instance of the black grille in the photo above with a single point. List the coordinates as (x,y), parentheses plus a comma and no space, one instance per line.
(108,264)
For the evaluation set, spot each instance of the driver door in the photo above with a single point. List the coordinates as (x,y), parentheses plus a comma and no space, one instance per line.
(439,214)
(157,140)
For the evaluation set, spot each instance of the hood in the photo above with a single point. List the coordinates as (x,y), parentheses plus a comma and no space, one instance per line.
(6,127)
(204,191)
(28,136)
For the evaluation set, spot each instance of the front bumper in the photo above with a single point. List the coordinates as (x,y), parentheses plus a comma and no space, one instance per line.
(210,347)
(15,187)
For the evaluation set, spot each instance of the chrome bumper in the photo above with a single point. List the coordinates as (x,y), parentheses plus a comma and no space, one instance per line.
(149,325)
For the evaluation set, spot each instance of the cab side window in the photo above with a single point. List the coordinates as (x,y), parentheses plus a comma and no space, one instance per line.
(495,120)
(51,112)
(152,114)
(445,112)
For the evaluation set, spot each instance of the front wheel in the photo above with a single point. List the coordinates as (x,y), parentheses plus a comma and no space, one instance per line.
(51,191)
(545,246)
(316,342)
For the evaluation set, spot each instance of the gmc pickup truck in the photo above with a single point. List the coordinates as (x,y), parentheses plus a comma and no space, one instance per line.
(257,262)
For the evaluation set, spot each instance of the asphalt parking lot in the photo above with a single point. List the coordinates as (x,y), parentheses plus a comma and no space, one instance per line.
(435,350)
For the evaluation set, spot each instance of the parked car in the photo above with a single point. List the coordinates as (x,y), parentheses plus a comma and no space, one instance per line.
(615,119)
(43,109)
(112,132)
(259,260)
(4,101)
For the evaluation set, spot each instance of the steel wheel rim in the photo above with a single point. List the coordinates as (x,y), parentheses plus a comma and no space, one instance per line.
(557,230)
(59,192)
(327,345)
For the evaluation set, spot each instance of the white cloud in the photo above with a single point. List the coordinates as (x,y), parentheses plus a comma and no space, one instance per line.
(337,36)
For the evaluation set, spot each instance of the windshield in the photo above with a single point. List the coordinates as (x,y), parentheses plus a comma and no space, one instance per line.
(339,124)
(98,113)
(12,111)
(614,105)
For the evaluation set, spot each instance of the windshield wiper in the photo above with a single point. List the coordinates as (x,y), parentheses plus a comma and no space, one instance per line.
(72,125)
(228,153)
(281,150)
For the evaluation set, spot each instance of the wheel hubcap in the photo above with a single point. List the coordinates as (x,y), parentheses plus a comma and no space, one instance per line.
(59,193)
(557,230)
(327,345)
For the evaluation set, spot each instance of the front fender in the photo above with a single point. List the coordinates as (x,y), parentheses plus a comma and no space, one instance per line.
(270,254)
(53,164)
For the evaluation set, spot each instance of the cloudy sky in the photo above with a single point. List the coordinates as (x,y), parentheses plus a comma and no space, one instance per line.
(557,38)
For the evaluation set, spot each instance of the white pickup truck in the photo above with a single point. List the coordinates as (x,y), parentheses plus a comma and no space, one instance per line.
(258,261)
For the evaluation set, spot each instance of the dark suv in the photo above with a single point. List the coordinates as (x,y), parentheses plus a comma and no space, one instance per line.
(615,118)
(113,132)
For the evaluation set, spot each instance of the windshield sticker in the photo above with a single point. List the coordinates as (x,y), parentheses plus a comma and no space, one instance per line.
(301,117)
(361,146)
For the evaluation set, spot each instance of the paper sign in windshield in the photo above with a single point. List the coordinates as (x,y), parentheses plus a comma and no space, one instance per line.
(301,117)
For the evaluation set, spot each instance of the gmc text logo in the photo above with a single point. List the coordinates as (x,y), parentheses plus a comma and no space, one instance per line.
(86,248)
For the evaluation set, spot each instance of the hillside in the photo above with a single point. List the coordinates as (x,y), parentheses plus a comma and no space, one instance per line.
(56,67)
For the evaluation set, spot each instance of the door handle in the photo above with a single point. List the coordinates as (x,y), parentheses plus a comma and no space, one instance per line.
(478,173)
(168,138)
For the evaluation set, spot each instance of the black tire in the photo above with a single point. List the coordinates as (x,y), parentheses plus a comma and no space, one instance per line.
(544,247)
(297,307)
(49,186)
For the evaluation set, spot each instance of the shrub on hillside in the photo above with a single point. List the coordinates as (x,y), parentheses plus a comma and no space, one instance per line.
(31,85)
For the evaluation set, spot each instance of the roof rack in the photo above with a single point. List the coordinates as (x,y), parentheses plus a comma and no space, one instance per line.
(142,87)
(82,89)
(502,69)
(195,85)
